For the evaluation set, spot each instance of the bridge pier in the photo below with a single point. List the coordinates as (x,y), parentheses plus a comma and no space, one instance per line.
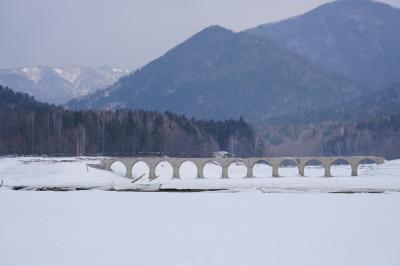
(225,171)
(175,172)
(152,172)
(275,170)
(354,170)
(129,170)
(301,170)
(199,171)
(249,169)
(327,171)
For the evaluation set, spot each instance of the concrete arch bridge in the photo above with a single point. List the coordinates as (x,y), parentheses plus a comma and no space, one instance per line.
(275,163)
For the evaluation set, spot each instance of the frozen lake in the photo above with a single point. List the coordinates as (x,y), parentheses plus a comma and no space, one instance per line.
(299,224)
(108,228)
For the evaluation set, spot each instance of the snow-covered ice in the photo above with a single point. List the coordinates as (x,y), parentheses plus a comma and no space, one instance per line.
(95,227)
(108,228)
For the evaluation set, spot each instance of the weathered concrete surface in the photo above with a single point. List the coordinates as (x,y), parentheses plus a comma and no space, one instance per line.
(275,163)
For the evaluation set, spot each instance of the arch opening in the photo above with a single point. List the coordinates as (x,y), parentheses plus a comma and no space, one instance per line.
(164,170)
(364,166)
(314,168)
(237,169)
(188,170)
(262,169)
(118,168)
(140,169)
(212,170)
(340,168)
(288,168)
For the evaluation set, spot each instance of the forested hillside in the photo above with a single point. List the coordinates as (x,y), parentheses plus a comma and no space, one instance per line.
(357,38)
(369,125)
(30,127)
(374,135)
(382,104)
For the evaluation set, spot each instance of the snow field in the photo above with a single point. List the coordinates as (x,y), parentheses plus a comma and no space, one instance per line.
(103,228)
(249,228)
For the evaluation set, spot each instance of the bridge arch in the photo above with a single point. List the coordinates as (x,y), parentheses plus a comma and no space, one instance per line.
(118,168)
(164,169)
(314,168)
(291,168)
(237,169)
(261,168)
(340,167)
(188,169)
(140,168)
(366,164)
(212,169)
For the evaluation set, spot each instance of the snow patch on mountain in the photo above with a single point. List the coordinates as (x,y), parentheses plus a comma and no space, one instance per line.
(69,73)
(33,73)
(60,84)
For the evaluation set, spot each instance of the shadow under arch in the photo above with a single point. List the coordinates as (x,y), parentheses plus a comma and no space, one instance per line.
(188,170)
(140,169)
(288,168)
(314,168)
(237,169)
(118,168)
(212,169)
(340,167)
(261,168)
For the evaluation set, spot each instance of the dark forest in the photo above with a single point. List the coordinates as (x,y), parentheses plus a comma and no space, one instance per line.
(29,127)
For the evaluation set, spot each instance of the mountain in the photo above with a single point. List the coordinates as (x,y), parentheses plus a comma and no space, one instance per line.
(220,74)
(59,84)
(358,38)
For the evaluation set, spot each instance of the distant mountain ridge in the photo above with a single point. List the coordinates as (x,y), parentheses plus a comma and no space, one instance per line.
(358,38)
(59,84)
(220,74)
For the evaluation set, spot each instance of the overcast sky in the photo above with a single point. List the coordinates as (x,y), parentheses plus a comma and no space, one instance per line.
(122,33)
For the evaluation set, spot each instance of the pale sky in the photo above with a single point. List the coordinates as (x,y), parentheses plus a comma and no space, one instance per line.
(122,33)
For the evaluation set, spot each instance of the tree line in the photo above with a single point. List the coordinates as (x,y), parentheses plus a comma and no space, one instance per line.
(28,127)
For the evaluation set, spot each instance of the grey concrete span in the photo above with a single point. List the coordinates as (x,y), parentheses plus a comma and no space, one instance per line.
(275,163)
